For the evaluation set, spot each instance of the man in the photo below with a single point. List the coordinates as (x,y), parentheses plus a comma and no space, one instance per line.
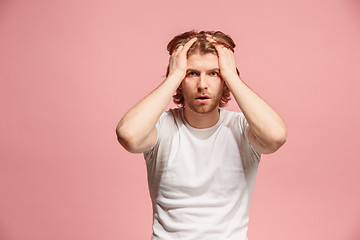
(201,160)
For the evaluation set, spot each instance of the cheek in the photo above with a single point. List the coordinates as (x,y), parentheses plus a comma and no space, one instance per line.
(185,89)
(187,84)
(218,85)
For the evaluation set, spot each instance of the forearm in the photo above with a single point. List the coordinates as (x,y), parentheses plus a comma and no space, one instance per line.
(136,131)
(139,122)
(267,129)
(265,123)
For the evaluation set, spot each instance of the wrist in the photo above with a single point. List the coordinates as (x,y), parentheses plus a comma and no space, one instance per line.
(176,76)
(230,77)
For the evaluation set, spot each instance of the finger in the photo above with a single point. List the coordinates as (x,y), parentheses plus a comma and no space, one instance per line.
(210,39)
(213,42)
(222,47)
(177,50)
(189,44)
(216,44)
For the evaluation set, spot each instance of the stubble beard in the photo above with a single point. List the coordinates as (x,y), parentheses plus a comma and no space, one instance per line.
(204,108)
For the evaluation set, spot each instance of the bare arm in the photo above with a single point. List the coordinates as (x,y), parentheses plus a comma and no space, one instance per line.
(267,130)
(136,131)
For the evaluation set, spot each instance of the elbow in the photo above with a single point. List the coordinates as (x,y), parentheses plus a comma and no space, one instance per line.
(269,142)
(273,141)
(122,136)
(126,139)
(278,139)
(278,143)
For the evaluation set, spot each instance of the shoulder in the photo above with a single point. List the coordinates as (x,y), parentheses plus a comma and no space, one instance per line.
(166,127)
(235,121)
(169,120)
(172,115)
(175,112)
(232,117)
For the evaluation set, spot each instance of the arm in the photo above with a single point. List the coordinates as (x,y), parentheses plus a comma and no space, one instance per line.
(267,130)
(136,131)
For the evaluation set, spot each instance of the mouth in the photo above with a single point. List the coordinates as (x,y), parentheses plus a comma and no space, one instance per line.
(202,99)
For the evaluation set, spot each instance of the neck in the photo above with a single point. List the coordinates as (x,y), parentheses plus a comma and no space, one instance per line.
(201,120)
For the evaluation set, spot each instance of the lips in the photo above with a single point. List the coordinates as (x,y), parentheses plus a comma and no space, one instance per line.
(202,97)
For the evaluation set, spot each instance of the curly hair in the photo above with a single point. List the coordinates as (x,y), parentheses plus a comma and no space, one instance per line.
(201,46)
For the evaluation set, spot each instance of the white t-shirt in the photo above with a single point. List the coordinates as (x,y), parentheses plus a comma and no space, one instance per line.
(201,180)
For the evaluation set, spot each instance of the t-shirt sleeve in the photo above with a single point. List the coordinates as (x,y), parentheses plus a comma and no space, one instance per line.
(152,151)
(248,152)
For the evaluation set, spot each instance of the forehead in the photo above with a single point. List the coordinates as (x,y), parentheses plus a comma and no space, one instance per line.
(202,61)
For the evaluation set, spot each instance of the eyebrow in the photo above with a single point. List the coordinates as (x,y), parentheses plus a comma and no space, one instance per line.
(211,70)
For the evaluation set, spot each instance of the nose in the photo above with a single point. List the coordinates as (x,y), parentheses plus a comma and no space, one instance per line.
(202,83)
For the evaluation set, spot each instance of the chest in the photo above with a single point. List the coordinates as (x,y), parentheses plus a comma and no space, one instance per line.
(192,164)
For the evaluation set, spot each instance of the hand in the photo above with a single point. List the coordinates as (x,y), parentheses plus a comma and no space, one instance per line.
(178,59)
(226,59)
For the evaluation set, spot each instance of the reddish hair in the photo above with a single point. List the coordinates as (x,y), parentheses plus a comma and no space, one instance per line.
(201,46)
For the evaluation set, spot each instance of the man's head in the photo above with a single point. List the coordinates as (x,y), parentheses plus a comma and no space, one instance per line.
(202,46)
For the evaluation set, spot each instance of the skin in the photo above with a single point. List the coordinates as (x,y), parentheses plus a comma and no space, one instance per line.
(202,80)
(136,131)
(267,130)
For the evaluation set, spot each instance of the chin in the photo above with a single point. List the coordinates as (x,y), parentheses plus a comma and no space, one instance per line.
(203,109)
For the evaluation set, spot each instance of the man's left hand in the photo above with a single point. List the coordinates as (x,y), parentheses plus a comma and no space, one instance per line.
(226,60)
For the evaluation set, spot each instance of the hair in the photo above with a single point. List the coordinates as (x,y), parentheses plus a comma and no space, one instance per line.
(201,46)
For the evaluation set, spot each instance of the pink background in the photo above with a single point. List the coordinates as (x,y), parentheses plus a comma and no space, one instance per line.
(70,69)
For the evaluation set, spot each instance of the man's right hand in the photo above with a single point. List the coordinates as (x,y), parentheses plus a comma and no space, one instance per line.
(178,59)
(137,131)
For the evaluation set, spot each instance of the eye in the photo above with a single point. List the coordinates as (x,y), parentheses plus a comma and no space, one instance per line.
(191,74)
(214,73)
